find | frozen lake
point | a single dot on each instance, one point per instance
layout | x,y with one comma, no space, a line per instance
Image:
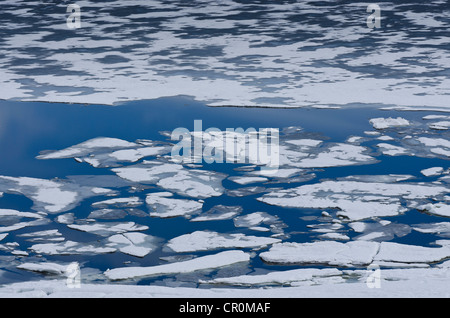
96,185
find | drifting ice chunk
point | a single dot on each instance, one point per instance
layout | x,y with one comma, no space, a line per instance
71,247
119,202
383,123
356,200
248,180
174,177
43,236
88,147
441,228
278,278
431,172
132,243
161,205
46,268
440,209
49,195
108,228
200,263
207,240
219,212
354,253
391,150
403,253
440,125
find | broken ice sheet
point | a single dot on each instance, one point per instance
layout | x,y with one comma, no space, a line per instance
246,191
87,147
438,228
134,243
355,200
353,253
48,268
108,228
161,204
71,247
209,240
384,123
193,183
51,196
118,202
255,219
208,262
439,209
286,278
391,150
405,253
219,212
247,180
379,231
107,152
11,220
43,236
433,171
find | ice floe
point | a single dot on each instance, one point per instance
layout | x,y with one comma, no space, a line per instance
353,253
107,152
248,180
209,240
44,267
161,204
355,200
52,196
219,212
200,263
404,253
119,202
134,243
71,247
440,209
310,276
43,236
193,183
384,123
439,228
108,228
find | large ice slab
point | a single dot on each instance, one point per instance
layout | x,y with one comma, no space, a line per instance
309,276
355,200
383,123
134,243
161,204
209,240
52,196
108,228
405,253
200,263
353,253
108,152
71,247
87,147
193,183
